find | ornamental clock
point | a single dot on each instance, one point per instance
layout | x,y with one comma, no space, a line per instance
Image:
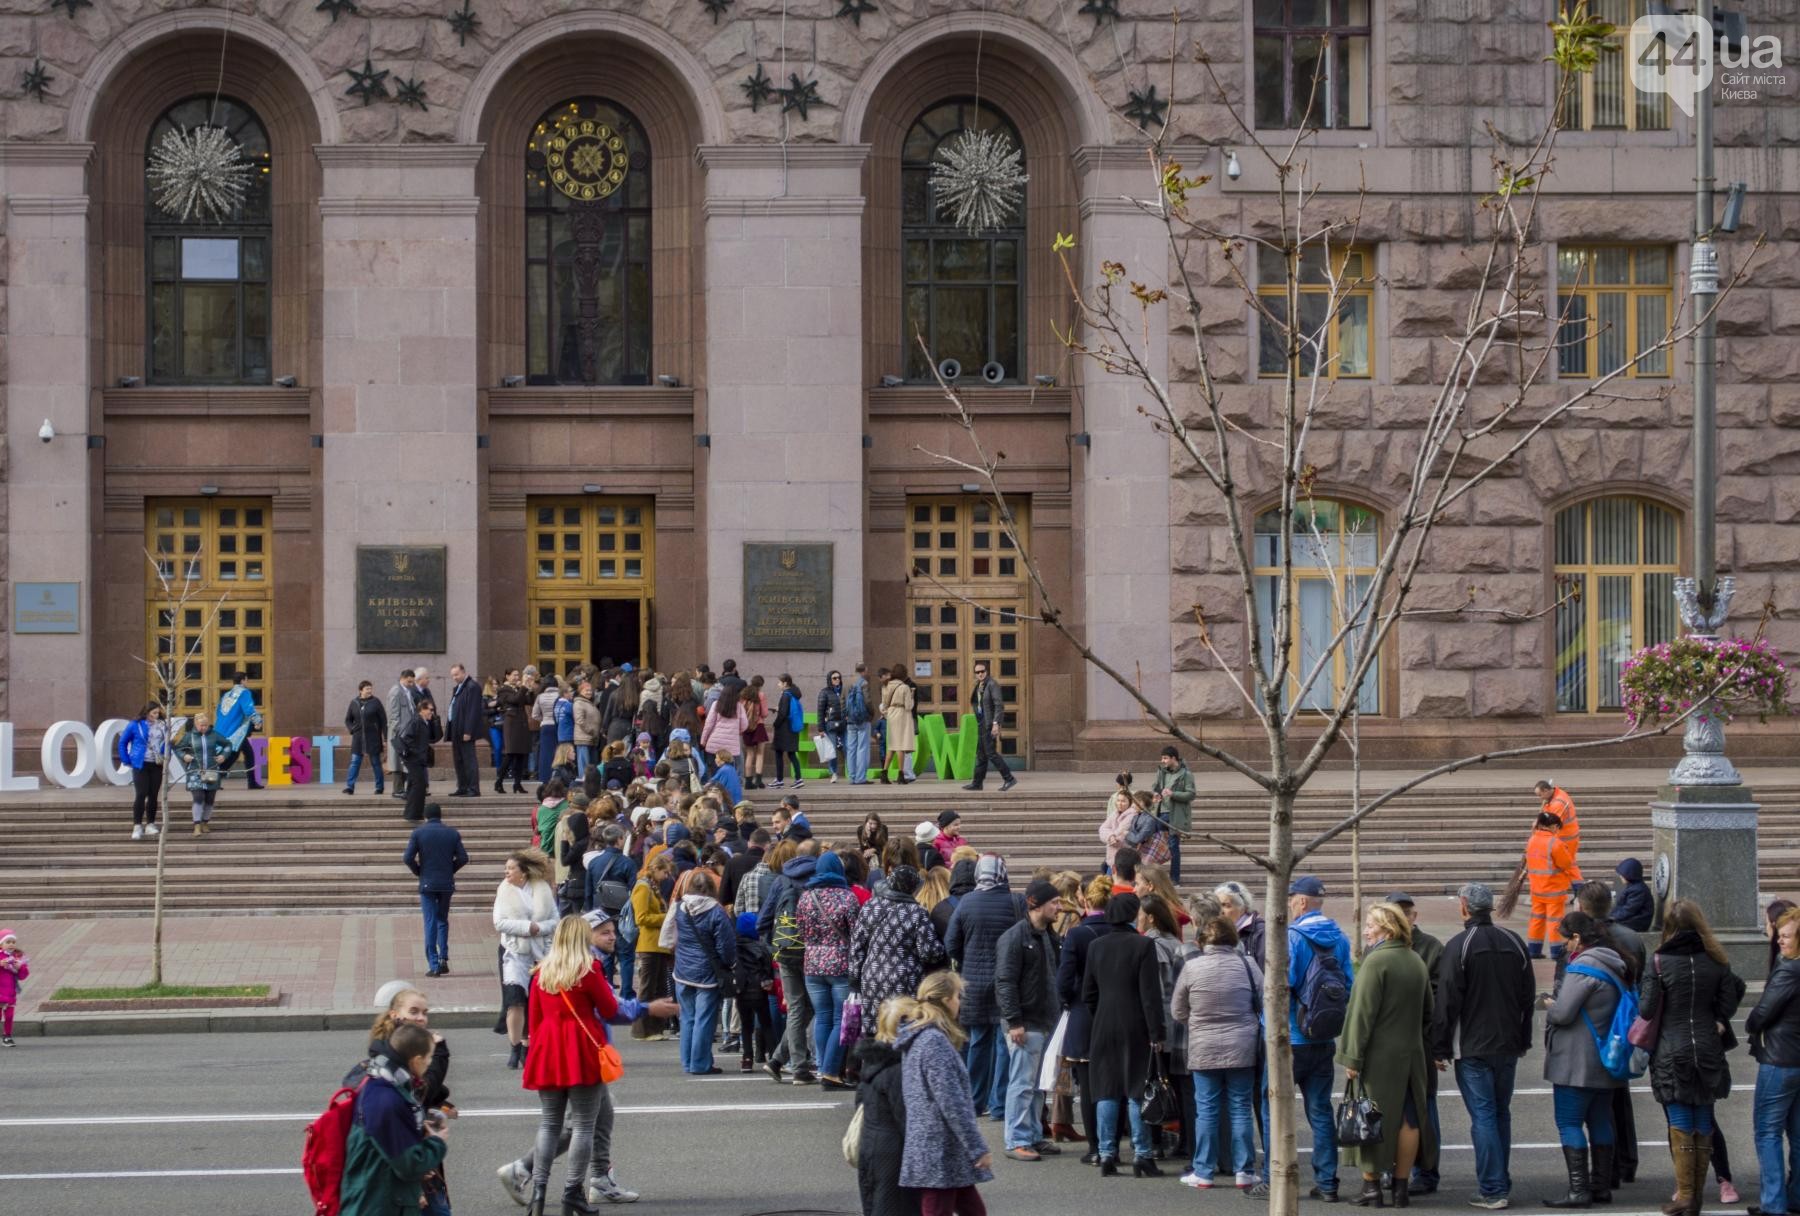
586,159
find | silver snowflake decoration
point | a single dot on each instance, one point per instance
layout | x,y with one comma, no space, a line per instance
199,173
980,178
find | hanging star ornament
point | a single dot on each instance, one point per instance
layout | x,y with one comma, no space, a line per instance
37,80
800,95
199,173
758,88
716,8
72,5
980,177
463,23
367,84
410,92
1145,108
1100,10
854,9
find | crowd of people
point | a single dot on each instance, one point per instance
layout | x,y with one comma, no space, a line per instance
1088,1010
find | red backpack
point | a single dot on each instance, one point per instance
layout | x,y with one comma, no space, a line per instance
327,1142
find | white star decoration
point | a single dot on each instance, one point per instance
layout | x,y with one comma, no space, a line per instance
201,172
979,176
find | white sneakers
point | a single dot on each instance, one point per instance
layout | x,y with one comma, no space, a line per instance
137,831
1196,1181
1244,1180
516,1182
607,1187
150,829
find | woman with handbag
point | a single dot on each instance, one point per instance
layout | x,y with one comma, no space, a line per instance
1218,1003
524,916
826,917
831,720
705,958
1148,833
1123,997
568,1061
1156,921
1691,982
790,726
1592,987
1382,1048
1071,980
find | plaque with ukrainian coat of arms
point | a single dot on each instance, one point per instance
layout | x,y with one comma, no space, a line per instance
400,599
787,596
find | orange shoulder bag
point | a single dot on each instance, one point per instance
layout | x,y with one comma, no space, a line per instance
612,1065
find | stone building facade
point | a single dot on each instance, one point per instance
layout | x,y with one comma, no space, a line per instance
400,349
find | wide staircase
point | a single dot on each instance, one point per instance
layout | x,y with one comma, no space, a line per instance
274,851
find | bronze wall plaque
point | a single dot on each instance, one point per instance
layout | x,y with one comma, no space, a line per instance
400,599
787,597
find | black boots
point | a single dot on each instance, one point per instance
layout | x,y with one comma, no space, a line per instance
575,1201
1109,1167
1371,1195
1600,1173
1145,1167
1580,1193
538,1198
1402,1192
517,1059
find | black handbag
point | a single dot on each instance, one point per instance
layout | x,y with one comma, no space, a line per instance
1156,1098
1358,1118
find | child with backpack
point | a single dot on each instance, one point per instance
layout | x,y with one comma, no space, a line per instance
755,981
393,1141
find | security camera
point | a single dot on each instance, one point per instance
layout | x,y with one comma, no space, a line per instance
46,432
1233,170
286,381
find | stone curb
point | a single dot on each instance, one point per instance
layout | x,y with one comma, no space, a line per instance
231,1021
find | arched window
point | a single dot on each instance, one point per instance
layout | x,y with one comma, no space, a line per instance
1335,552
587,246
1615,575
209,279
963,292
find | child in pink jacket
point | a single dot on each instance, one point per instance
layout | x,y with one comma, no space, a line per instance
14,967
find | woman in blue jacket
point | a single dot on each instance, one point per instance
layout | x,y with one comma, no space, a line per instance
144,748
705,954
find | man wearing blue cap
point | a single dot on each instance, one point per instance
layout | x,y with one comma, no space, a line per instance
1319,978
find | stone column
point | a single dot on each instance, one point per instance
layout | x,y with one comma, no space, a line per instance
1122,476
784,400
400,426
49,493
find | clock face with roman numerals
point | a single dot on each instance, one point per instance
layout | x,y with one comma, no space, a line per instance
586,159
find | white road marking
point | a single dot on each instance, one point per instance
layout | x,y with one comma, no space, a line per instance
97,1174
716,1108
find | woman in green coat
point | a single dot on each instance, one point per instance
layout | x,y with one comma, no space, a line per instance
1383,1047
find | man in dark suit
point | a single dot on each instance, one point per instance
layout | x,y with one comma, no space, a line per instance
414,744
464,726
435,853
990,716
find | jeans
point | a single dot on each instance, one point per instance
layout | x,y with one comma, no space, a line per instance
146,786
437,1204
1234,1086
1696,1120
356,761
1313,1073
857,742
1024,1100
795,1036
579,1103
1777,1113
584,758
827,994
546,751
1107,1110
1575,1106
1487,1088
699,1017
987,753
1174,858
436,907
984,1056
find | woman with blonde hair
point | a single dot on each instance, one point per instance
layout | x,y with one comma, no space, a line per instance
1381,1049
524,916
568,995
1154,880
944,1156
934,888
1068,886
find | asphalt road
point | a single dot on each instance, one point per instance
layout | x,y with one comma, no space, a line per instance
177,1125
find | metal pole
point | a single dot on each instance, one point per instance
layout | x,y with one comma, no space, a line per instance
1703,285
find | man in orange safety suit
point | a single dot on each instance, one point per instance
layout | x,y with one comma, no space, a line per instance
1550,864
1558,803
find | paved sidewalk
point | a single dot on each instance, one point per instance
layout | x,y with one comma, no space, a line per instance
319,963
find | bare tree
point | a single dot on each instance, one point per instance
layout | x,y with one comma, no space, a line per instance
170,669
1508,338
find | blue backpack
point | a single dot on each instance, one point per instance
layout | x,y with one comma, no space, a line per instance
796,715
1323,996
1618,1056
856,704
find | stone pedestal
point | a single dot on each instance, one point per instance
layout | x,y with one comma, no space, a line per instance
1705,842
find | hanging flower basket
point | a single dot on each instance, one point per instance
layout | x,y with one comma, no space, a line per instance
1740,675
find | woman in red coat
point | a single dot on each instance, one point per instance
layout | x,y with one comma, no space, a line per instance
570,998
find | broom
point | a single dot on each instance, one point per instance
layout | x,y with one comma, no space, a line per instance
1509,898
